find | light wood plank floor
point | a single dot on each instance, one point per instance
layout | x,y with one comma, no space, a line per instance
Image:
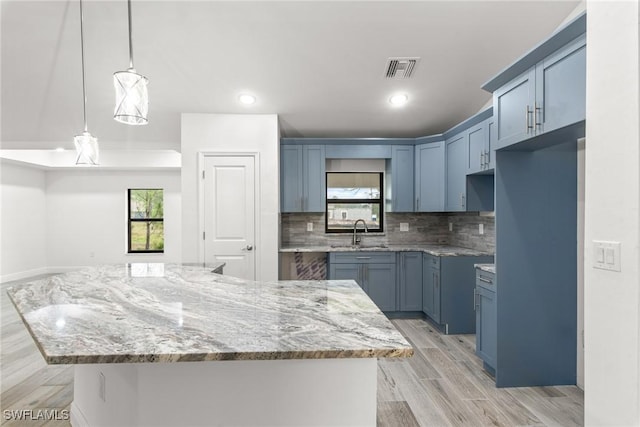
443,384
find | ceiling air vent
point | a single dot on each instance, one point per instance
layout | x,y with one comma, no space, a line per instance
401,68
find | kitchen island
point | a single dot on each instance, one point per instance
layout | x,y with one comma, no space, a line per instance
254,353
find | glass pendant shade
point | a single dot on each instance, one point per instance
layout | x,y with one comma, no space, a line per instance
132,97
86,149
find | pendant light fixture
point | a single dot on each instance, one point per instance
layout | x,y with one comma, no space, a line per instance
86,144
132,98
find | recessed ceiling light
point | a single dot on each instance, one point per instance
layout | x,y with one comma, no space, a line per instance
247,99
59,149
399,100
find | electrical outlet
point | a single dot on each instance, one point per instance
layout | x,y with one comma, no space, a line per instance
481,228
404,226
102,391
309,226
450,226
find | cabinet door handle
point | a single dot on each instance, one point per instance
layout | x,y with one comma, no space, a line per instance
487,160
482,160
363,257
418,203
485,280
462,200
537,114
528,112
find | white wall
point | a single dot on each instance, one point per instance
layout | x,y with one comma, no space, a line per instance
612,212
86,222
580,260
22,221
233,133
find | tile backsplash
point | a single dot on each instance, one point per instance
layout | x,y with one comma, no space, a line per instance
425,228
466,233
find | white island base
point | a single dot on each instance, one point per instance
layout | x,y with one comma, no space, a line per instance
299,392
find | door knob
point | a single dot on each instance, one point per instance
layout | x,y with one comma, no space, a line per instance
249,248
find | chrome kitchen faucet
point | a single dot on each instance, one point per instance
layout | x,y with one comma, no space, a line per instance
356,238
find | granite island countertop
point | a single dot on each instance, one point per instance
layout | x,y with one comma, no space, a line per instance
437,250
489,268
113,314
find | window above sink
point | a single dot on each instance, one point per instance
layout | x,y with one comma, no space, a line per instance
352,196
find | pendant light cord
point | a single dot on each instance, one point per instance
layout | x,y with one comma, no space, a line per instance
130,38
84,89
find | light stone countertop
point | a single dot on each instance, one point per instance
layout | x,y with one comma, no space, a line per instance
174,313
489,268
437,250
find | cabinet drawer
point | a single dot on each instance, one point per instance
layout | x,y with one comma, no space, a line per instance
485,279
362,257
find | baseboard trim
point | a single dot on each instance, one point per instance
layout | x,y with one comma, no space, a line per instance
36,272
23,274
54,270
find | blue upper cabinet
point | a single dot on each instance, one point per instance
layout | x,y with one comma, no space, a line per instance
429,177
291,178
476,148
456,172
402,178
358,151
544,91
481,147
513,106
302,178
561,88
314,186
490,155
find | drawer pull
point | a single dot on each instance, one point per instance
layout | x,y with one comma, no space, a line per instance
482,279
363,257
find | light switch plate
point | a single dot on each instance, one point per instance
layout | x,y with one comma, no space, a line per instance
309,226
404,226
481,228
606,255
450,226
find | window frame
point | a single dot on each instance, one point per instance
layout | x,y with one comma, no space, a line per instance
379,201
132,220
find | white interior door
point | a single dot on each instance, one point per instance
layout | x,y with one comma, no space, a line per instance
229,213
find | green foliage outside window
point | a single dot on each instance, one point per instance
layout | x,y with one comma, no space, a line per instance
146,220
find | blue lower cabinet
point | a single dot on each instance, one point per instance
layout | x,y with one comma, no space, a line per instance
431,294
449,289
410,281
486,319
346,272
380,280
375,272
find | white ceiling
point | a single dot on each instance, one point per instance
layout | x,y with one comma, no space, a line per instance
318,65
